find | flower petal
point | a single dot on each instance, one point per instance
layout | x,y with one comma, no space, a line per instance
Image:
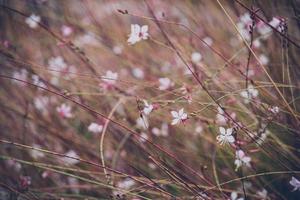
174,114
230,139
222,130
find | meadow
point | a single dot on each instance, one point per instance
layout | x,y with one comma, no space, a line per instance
149,99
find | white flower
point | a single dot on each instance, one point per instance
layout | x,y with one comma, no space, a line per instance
295,183
249,94
241,159
165,83
118,49
12,164
126,184
57,64
87,39
225,136
243,31
274,109
246,19
164,131
66,30
64,110
196,57
41,102
33,21
36,81
138,33
234,196
73,181
69,72
208,41
263,59
263,29
110,77
36,154
138,73
179,116
95,128
275,22
256,43
151,165
70,161
262,137
251,73
198,129
22,75
142,122
263,194
148,108
144,137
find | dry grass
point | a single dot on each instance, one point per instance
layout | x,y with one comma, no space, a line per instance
127,160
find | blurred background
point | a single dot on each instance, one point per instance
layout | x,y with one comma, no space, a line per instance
92,94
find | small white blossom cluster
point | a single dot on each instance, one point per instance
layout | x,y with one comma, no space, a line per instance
23,75
57,64
109,80
263,29
59,67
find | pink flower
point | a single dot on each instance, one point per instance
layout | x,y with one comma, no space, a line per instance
66,30
64,111
241,159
